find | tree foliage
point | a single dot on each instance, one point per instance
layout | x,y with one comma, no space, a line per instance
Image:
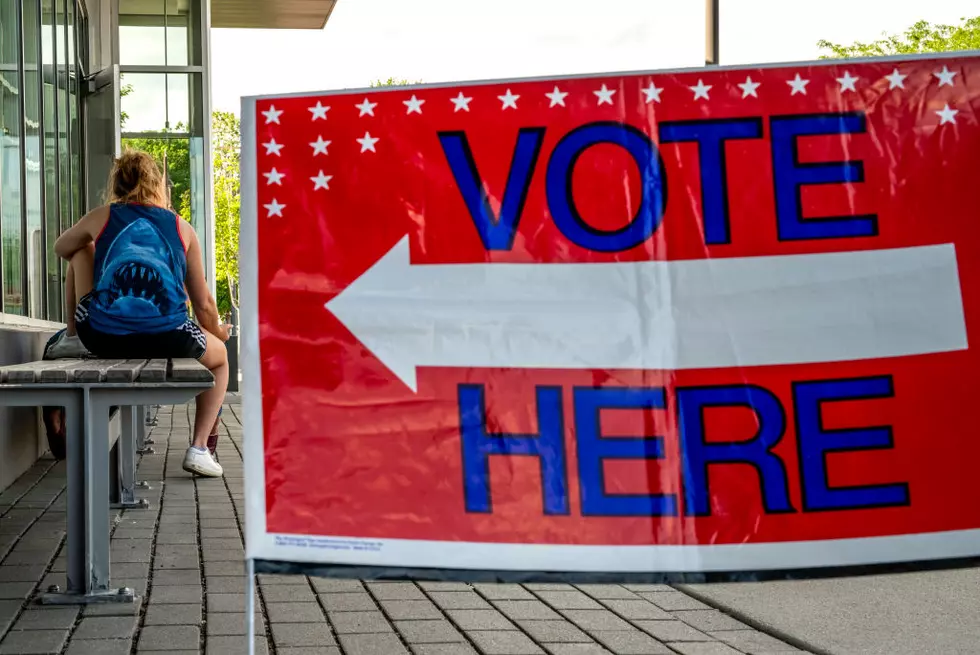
226,153
394,81
921,37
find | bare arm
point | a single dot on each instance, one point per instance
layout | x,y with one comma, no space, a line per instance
82,233
205,308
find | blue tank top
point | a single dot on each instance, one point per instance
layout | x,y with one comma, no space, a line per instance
140,267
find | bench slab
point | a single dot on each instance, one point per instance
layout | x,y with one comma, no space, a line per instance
94,371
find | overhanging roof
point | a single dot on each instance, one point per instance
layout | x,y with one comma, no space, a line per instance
271,14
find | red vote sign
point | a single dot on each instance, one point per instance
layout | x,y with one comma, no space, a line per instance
706,320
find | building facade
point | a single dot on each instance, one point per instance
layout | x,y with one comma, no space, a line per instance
79,81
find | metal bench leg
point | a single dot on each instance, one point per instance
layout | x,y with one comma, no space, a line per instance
87,422
127,462
143,420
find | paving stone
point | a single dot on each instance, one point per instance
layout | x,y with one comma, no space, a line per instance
649,587
639,610
576,649
709,620
674,600
16,590
115,609
225,584
459,600
47,618
504,642
504,592
303,634
549,586
138,570
428,632
177,538
21,573
27,557
554,631
308,612
303,650
175,614
171,637
282,593
99,647
374,644
480,620
234,545
31,642
670,631
442,649
123,533
344,601
224,533
177,578
445,586
224,568
704,648
526,609
223,555
161,563
359,622
408,610
235,645
753,641
395,591
105,627
170,595
227,603
631,642
222,625
593,621
570,600
608,592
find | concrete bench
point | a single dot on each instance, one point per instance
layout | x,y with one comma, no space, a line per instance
87,389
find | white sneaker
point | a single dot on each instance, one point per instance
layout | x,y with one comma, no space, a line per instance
66,347
201,463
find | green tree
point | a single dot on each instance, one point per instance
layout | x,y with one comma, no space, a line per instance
226,149
393,81
921,37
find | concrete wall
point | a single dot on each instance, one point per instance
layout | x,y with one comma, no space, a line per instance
22,438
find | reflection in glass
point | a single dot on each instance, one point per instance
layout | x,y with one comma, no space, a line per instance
155,102
32,160
154,32
50,128
11,276
64,151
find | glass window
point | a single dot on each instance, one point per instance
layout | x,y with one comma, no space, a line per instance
155,33
64,111
33,158
52,218
155,102
11,126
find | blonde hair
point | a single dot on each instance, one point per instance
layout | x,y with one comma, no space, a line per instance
136,177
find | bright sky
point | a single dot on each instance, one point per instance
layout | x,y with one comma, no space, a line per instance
445,40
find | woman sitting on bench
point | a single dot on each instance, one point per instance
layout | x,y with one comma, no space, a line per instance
133,265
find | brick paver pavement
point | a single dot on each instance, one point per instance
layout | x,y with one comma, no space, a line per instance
184,557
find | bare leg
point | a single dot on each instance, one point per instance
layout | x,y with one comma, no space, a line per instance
78,282
209,402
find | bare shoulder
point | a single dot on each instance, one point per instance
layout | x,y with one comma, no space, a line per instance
187,233
94,221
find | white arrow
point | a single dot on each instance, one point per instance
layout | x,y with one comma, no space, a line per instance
670,315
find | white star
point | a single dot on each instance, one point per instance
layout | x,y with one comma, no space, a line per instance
274,208
273,148
700,90
319,146
847,82
896,80
321,181
272,115
274,177
947,115
945,76
605,95
366,107
798,84
367,143
652,93
749,88
462,102
557,97
509,100
414,105
319,111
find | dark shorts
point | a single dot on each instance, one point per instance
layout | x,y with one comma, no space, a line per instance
186,341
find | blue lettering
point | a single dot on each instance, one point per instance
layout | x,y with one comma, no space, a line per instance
479,444
790,175
497,233
815,443
698,453
711,136
652,203
593,448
